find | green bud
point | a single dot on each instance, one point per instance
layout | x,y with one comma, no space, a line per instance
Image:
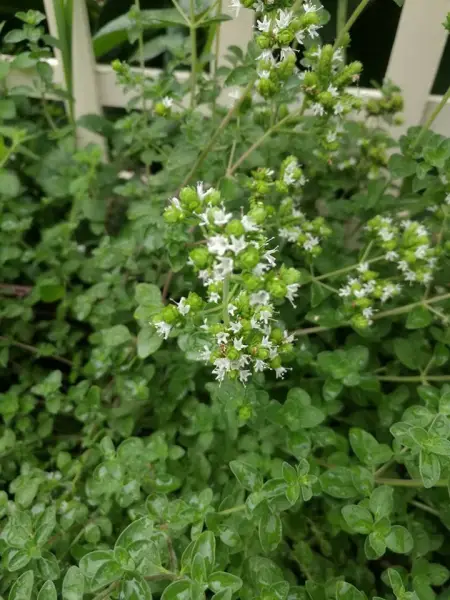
264,41
235,227
189,198
173,215
251,282
169,314
446,23
277,288
285,36
262,353
359,322
275,363
290,275
233,354
258,213
200,257
194,301
249,258
276,335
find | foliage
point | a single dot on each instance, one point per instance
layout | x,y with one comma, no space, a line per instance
224,350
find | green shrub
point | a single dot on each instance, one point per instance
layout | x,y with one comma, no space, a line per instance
224,350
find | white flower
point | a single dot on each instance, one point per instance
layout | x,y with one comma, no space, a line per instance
261,297
236,5
300,37
369,287
222,268
403,265
163,329
318,109
368,313
243,360
239,344
244,375
333,90
264,24
310,242
406,223
231,309
266,343
237,244
260,365
218,244
248,224
221,217
176,203
235,326
267,56
447,199
345,291
290,235
427,277
421,251
222,338
390,290
222,365
391,255
309,7
264,316
433,208
183,308
286,52
361,293
312,30
280,372
363,267
386,235
258,6
331,137
339,108
284,19
205,354
270,259
422,230
264,74
213,297
410,276
291,293
167,102
287,338
202,194
260,269
432,261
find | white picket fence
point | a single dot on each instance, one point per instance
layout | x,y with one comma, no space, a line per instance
413,64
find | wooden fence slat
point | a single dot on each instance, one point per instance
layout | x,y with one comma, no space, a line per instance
416,54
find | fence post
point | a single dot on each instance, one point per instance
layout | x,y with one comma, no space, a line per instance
237,32
84,77
416,55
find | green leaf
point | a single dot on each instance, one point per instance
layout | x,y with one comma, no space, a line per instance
248,476
108,572
367,448
178,590
381,501
438,445
338,482
429,468
148,294
270,532
47,591
444,404
23,587
205,545
148,342
10,186
134,587
418,318
73,584
358,518
299,413
399,540
50,290
140,530
219,581
45,525
116,336
401,166
16,559
406,353
347,591
90,563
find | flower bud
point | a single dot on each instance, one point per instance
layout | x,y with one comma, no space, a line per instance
169,314
264,41
235,228
290,275
277,288
200,257
194,301
173,215
258,213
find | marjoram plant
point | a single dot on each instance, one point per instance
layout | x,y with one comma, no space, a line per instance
224,350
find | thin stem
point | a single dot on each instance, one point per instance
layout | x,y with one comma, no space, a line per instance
193,36
35,350
388,464
225,293
429,122
343,32
216,55
415,483
347,269
413,378
230,114
341,17
142,66
182,13
105,593
166,287
262,139
425,507
229,511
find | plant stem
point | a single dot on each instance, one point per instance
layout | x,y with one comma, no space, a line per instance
35,350
414,378
229,511
429,122
425,507
386,313
225,293
193,36
142,66
105,593
342,33
182,13
388,464
267,134
341,17
346,269
415,483
227,118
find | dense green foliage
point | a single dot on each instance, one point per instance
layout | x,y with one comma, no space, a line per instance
289,439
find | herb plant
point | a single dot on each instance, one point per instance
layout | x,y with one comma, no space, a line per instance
224,350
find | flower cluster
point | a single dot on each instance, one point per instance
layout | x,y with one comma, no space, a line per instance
277,28
297,229
238,269
361,293
407,245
